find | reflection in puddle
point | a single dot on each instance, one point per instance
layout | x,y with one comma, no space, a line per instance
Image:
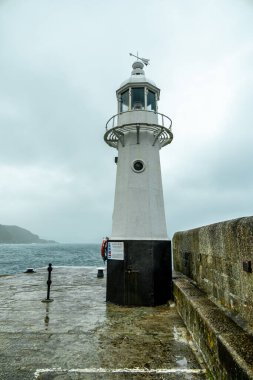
182,362
180,334
46,319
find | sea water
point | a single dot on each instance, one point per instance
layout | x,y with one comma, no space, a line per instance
16,258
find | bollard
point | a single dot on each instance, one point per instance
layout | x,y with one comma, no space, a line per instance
100,273
49,282
30,270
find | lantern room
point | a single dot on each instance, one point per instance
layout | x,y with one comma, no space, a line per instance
138,92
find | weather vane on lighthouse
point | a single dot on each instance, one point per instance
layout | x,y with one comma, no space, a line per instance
144,60
139,252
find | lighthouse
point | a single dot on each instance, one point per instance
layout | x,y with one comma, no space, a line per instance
139,251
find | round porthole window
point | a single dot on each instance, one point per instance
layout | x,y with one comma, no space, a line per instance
138,166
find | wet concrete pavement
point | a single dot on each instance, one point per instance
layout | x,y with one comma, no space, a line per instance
78,336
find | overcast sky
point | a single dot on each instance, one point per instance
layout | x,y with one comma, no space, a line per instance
61,62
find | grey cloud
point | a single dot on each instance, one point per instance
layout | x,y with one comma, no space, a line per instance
60,64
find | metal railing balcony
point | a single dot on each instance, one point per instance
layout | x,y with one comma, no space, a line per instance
157,123
163,120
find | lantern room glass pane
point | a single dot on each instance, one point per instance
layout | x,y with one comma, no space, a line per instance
138,98
124,106
151,102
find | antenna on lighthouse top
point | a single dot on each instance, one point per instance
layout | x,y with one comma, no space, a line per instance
144,60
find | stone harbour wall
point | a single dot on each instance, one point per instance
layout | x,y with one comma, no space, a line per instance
226,348
219,258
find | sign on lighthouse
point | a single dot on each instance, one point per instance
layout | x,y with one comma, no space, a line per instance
139,252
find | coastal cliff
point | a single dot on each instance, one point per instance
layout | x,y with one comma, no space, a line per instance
18,235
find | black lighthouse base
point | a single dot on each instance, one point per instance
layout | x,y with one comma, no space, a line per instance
143,274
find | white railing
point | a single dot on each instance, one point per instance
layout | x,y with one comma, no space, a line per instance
163,120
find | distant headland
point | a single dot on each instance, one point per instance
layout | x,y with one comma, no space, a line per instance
18,235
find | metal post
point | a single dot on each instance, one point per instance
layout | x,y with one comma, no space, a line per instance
49,282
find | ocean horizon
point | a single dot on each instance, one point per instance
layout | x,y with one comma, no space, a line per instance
16,258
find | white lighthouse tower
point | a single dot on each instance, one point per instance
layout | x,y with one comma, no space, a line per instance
139,254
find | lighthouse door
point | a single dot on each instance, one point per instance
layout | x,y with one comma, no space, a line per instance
139,283
132,287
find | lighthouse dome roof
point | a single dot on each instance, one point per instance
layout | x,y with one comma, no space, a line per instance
137,76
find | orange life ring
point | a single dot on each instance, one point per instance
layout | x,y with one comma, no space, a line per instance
104,249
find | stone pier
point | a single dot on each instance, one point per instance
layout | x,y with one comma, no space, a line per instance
79,336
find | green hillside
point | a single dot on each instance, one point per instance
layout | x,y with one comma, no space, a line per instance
18,235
